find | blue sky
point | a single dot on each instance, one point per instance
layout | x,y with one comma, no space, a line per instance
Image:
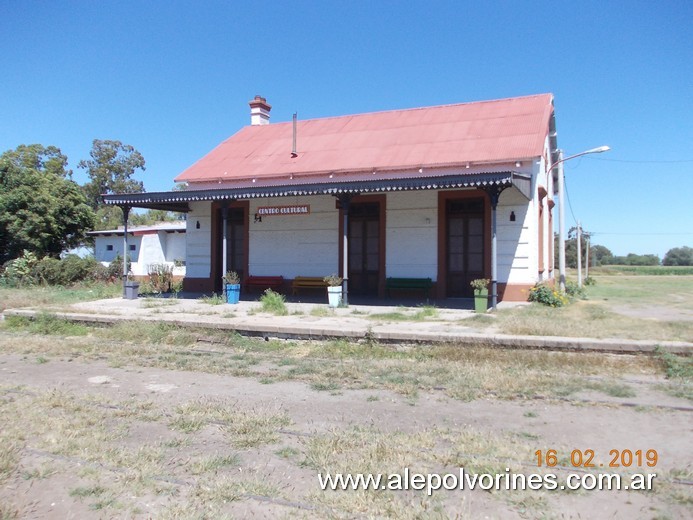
173,79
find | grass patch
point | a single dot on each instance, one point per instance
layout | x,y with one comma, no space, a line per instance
423,313
151,302
227,489
679,372
324,386
244,428
621,305
321,312
46,324
274,303
88,491
213,463
9,457
214,299
371,450
675,367
390,316
642,270
39,473
32,296
426,312
187,424
8,512
157,333
459,372
682,390
287,452
578,320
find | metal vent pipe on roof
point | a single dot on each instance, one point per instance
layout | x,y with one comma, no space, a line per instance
293,149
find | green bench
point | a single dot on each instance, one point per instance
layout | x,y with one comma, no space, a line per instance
408,284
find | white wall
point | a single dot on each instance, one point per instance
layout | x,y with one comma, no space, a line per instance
174,249
308,245
296,245
156,248
198,241
516,261
151,252
412,234
101,252
174,246
103,255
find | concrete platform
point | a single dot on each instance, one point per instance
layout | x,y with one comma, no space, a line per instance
317,321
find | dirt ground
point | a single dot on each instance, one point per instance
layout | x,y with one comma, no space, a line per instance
100,441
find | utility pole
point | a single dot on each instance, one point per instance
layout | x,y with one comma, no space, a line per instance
587,256
579,255
561,200
561,221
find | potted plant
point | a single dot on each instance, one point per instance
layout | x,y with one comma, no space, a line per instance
232,286
480,286
334,290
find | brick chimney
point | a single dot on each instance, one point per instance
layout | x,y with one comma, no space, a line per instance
259,111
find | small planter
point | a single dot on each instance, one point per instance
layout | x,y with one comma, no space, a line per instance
334,296
480,300
131,290
233,293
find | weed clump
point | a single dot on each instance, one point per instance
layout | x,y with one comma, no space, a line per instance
214,299
274,303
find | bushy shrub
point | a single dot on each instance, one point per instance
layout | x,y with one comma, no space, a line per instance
160,277
28,269
177,286
18,271
573,290
78,269
547,295
68,271
48,271
115,268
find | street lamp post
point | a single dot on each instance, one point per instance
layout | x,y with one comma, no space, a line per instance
561,208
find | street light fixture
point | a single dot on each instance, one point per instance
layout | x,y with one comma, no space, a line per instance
561,208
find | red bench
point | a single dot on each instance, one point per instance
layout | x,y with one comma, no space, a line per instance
275,283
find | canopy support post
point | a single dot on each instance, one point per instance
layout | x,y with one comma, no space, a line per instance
126,214
344,204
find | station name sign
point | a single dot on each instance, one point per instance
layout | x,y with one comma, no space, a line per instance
303,209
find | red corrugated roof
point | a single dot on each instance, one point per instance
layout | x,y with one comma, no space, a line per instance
482,132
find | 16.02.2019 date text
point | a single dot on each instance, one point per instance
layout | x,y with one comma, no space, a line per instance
585,459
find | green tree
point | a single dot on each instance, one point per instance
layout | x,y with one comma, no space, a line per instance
633,259
601,255
41,209
110,170
108,217
679,256
154,216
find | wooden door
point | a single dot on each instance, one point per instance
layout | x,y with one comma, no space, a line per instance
464,245
236,235
364,248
